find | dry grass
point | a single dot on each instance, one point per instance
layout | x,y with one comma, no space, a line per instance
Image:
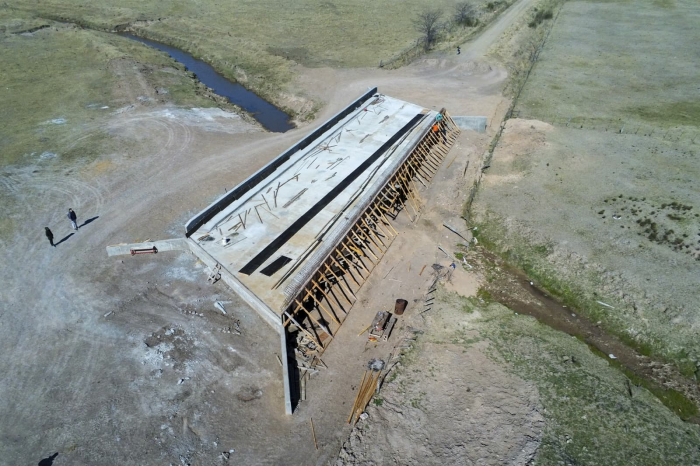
258,43
56,83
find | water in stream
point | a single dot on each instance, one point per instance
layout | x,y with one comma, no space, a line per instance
271,117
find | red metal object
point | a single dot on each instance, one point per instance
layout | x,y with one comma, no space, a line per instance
152,250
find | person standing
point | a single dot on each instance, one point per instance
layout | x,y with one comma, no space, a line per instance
49,235
459,50
73,219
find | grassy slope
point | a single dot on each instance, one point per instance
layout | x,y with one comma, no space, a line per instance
601,68
591,418
56,81
620,64
259,42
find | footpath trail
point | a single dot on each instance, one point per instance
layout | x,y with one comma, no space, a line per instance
478,47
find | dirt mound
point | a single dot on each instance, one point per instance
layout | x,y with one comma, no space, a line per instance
434,414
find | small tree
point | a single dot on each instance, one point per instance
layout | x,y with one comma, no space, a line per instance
464,14
428,24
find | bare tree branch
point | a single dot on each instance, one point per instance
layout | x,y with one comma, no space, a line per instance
428,24
465,14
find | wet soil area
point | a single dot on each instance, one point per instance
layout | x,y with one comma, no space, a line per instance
515,290
271,117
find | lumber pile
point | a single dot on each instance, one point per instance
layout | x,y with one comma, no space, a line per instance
368,386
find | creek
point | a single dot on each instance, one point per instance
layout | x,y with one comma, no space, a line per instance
271,117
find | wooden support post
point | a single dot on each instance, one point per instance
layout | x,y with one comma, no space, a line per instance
352,249
406,178
370,236
407,194
438,147
415,187
373,219
346,270
321,306
324,293
357,397
430,163
358,231
337,279
391,186
321,326
387,198
313,432
377,220
388,222
376,237
421,176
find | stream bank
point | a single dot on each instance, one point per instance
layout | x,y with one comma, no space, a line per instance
271,117
514,289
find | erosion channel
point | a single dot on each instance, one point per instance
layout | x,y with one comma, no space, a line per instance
514,289
271,117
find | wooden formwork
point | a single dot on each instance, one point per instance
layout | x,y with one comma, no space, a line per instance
321,306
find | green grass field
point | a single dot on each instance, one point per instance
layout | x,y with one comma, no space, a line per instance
259,43
611,185
59,80
594,414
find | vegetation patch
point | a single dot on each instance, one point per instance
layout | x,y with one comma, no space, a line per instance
39,124
685,113
595,414
578,296
540,16
673,224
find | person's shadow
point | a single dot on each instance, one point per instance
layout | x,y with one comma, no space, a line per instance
90,220
64,239
48,461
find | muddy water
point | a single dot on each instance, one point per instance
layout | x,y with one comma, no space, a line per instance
516,292
271,117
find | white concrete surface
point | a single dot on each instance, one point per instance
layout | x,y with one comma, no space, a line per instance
300,183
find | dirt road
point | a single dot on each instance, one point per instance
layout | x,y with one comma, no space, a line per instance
478,47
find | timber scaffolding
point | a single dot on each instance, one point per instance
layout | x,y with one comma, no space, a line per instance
299,238
340,273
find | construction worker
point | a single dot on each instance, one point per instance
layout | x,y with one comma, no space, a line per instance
49,235
73,219
435,129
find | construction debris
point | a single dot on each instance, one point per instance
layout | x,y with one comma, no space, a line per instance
313,432
215,274
381,326
453,230
367,388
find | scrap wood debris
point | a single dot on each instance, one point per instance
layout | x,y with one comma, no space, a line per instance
440,273
215,274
